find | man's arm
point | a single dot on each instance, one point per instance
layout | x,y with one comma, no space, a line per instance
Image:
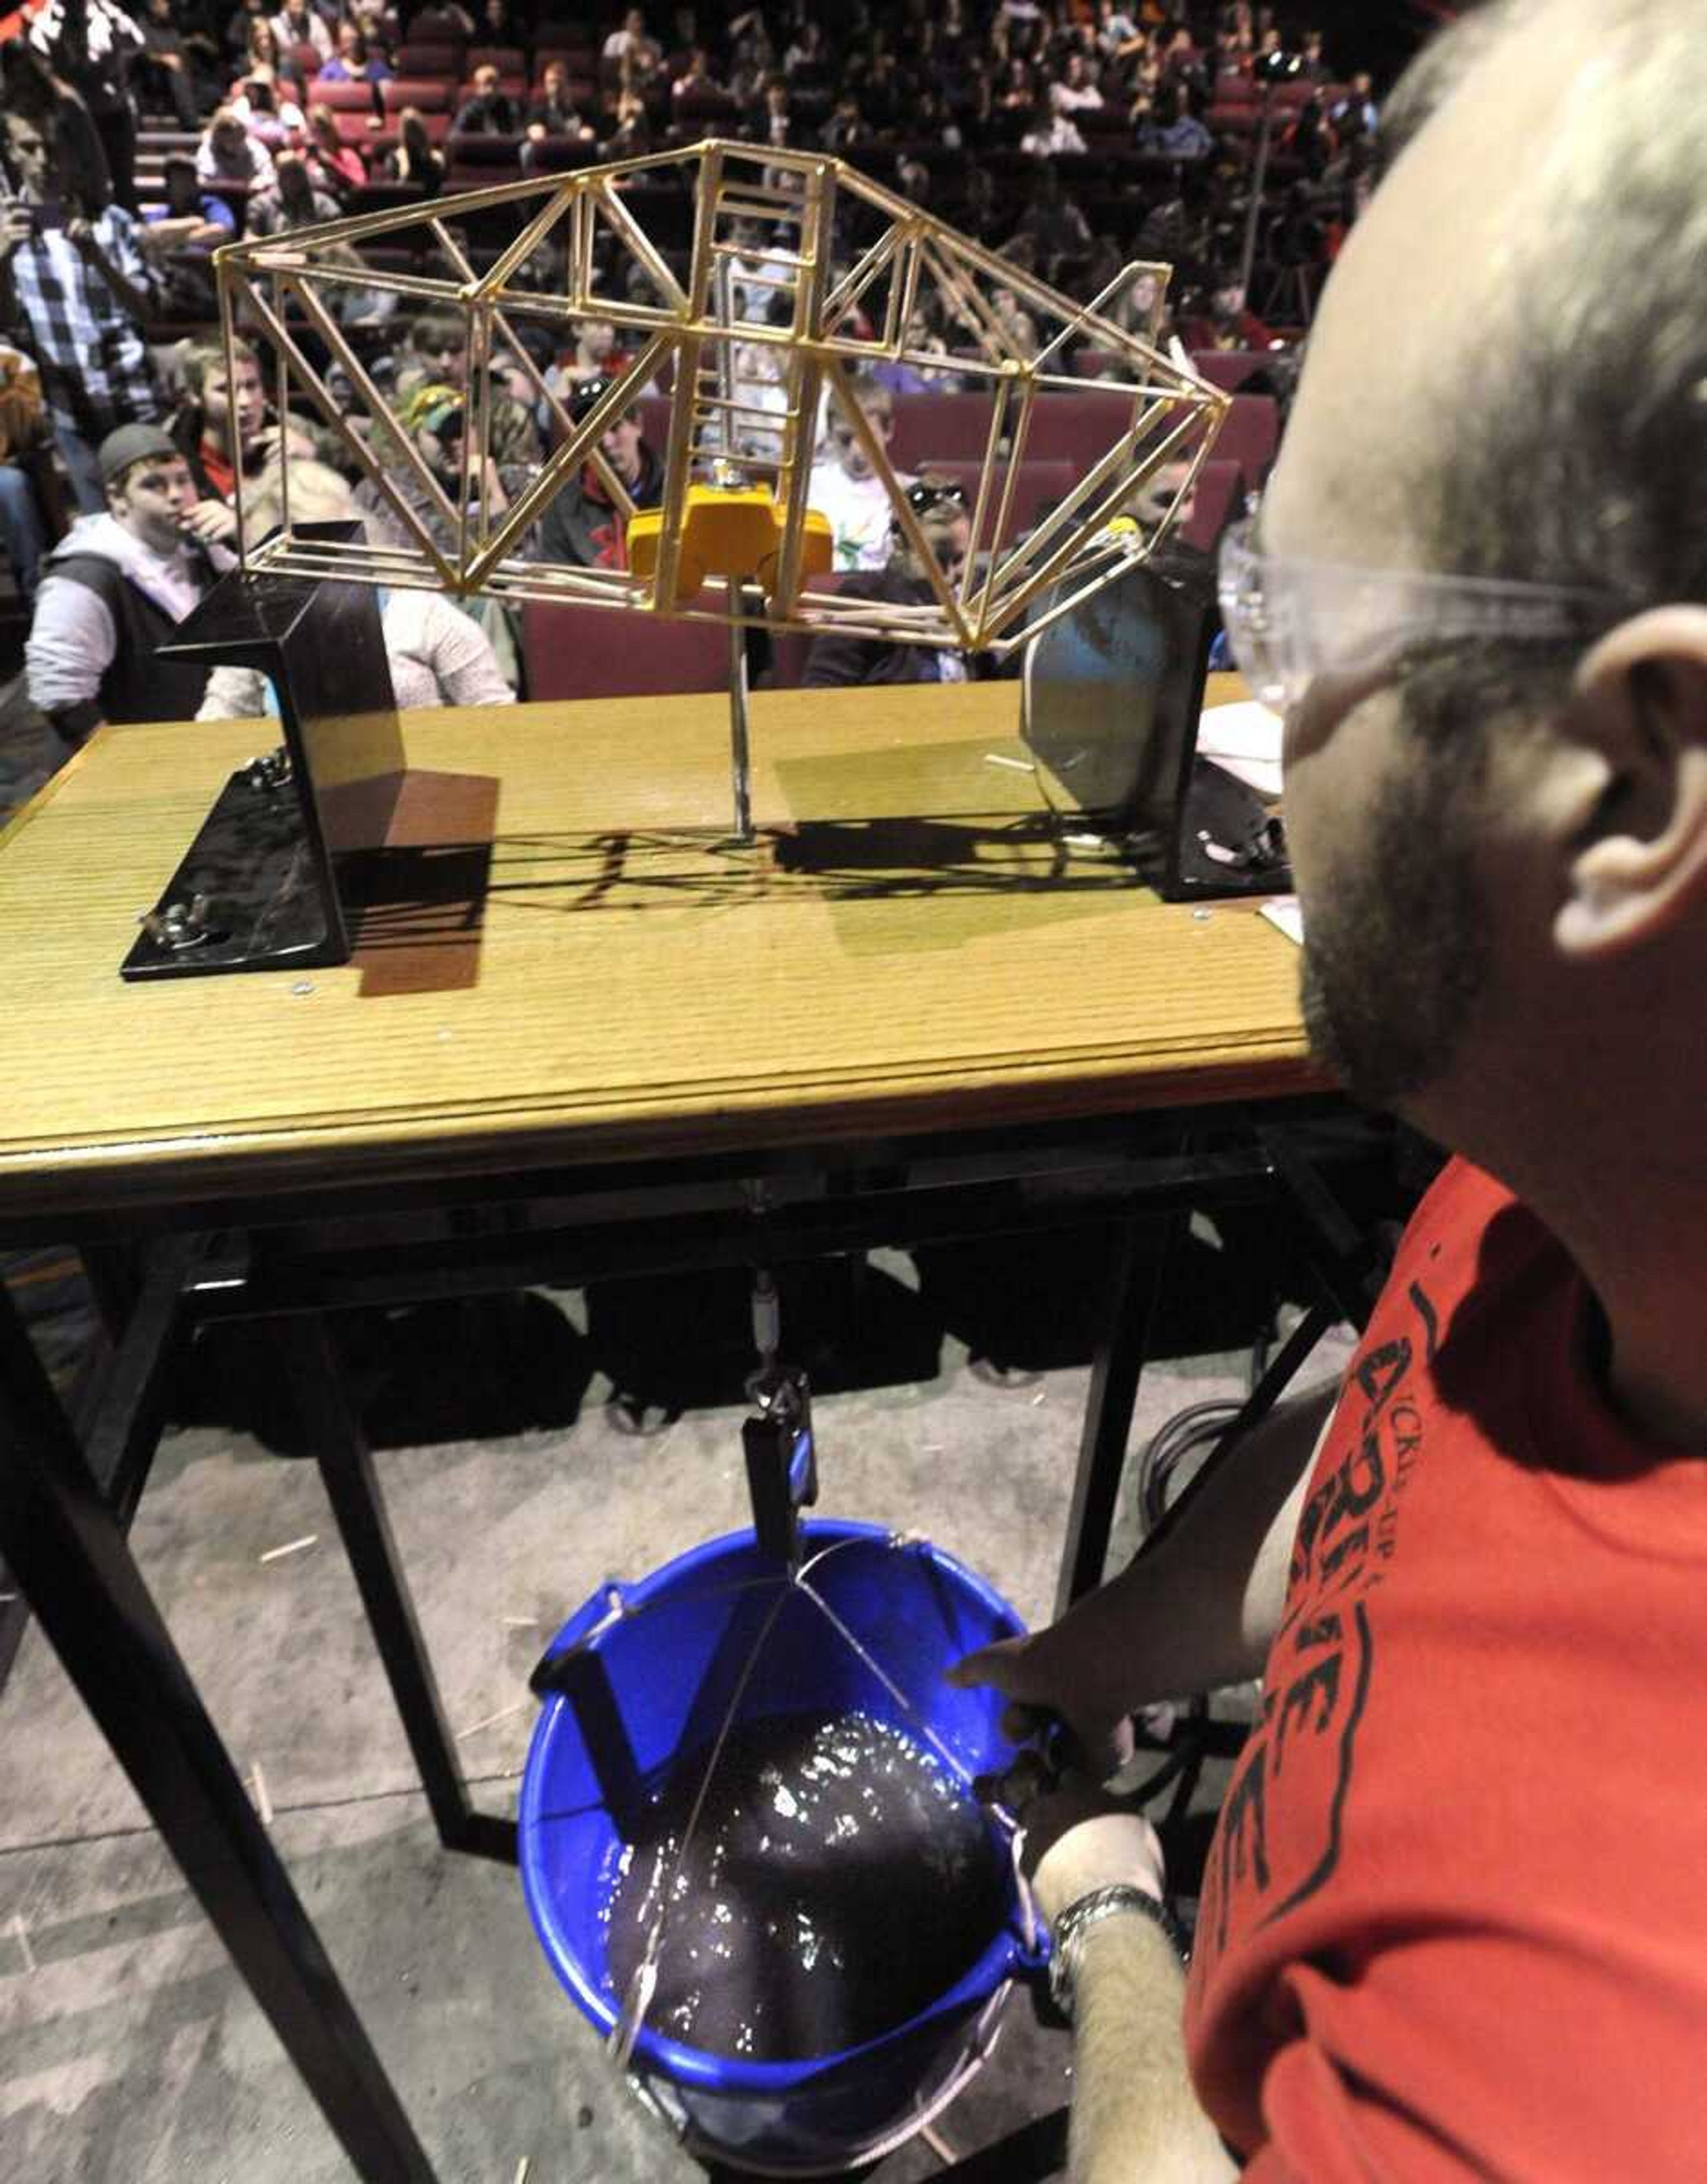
1196,1611
70,646
1136,2119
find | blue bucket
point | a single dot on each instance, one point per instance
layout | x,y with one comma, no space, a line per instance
653,1671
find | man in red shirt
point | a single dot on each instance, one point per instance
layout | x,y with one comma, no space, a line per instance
1454,1919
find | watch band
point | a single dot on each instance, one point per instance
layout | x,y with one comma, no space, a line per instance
1090,1910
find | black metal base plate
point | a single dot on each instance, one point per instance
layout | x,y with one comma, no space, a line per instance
266,908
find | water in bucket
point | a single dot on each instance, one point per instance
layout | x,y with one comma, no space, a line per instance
825,1882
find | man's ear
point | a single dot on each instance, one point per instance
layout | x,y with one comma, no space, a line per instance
1637,864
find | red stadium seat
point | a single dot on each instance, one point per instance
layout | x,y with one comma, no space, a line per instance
571,651
557,155
442,63
307,58
929,427
1251,437
440,27
342,98
512,86
1219,499
1229,368
427,97
507,60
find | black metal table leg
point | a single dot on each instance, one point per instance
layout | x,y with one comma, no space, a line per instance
69,1557
346,1464
1123,1341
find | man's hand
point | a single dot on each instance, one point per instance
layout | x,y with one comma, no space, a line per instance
1045,1677
1077,1839
16,222
211,521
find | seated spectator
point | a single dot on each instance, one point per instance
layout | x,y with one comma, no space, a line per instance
292,201
837,660
1172,131
595,356
1076,92
167,65
847,490
631,49
336,167
1017,91
298,24
81,288
191,218
436,654
414,159
1227,323
1357,111
246,12
266,61
697,78
352,61
912,376
488,110
118,584
847,128
553,113
269,114
228,154
499,25
584,524
770,125
435,354
1058,230
1018,326
222,425
631,137
807,61
1050,134
23,434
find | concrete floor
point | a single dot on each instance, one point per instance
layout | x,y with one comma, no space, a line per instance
130,2052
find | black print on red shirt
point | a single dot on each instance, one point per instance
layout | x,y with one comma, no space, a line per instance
1321,1666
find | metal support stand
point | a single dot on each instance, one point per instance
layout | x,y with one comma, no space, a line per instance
69,1554
1123,1343
781,1452
346,1464
740,759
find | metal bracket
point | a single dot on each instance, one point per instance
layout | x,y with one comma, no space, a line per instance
781,1452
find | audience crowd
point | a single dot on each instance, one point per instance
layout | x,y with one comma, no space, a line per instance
1069,136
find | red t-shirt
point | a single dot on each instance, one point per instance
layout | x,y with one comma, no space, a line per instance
1454,1919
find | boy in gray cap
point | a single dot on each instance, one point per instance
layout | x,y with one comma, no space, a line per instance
118,585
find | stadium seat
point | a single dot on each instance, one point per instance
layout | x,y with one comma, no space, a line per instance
571,651
1229,368
939,427
1251,436
1037,485
507,60
789,651
426,96
342,98
439,64
1220,501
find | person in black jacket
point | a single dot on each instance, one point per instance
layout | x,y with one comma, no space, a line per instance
584,524
835,659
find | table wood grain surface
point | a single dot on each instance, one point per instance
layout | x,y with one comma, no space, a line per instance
906,948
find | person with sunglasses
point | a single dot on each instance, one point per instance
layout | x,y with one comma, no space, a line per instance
836,658
1453,1924
584,524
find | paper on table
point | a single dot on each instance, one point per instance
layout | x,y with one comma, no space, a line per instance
1284,911
1245,740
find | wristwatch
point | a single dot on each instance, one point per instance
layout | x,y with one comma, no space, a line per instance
1088,1910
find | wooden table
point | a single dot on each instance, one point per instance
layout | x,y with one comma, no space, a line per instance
909,1010
909,952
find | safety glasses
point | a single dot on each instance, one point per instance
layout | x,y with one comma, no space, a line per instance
1289,621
